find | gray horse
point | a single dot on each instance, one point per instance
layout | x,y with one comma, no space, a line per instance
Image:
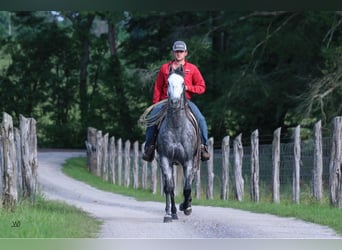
178,144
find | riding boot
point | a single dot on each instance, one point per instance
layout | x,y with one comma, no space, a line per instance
148,154
149,150
204,153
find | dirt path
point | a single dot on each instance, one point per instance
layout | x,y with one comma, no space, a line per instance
125,217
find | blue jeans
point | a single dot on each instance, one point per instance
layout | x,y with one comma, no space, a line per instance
152,130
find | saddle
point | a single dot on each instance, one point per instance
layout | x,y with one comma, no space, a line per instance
158,118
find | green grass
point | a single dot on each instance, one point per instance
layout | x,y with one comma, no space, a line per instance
76,168
46,219
308,209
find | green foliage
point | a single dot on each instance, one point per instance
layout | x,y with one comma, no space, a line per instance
263,69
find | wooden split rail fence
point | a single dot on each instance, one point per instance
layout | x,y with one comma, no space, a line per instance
18,160
114,162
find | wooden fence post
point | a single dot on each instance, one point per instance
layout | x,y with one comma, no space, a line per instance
225,168
20,168
161,183
127,162
154,181
335,165
112,157
29,158
143,169
136,165
99,152
296,166
119,161
10,191
105,157
2,167
254,189
197,178
317,185
177,177
238,179
276,165
91,150
210,170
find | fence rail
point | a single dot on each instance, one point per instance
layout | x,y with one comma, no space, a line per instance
298,164
18,160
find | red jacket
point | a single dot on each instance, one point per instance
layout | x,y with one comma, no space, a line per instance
192,78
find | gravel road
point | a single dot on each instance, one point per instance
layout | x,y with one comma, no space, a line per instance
124,217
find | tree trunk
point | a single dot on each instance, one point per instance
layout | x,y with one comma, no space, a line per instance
84,29
111,38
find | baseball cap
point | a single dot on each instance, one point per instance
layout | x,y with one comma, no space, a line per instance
179,45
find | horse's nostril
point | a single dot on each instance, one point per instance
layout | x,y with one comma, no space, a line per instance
174,101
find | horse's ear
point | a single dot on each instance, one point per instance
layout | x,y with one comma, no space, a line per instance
170,69
181,70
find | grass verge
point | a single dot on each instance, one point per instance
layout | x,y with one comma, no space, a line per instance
46,219
308,210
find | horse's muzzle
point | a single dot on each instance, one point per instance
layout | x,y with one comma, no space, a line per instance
175,103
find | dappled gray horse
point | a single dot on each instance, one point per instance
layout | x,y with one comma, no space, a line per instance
178,144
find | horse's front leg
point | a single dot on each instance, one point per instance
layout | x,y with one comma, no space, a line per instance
188,178
172,194
168,189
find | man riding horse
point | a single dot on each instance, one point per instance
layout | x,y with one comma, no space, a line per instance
194,84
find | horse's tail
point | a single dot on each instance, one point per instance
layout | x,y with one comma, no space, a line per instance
146,120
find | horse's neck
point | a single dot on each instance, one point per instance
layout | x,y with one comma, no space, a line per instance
176,118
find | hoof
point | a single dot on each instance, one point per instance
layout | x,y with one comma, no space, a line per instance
174,216
167,219
188,211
